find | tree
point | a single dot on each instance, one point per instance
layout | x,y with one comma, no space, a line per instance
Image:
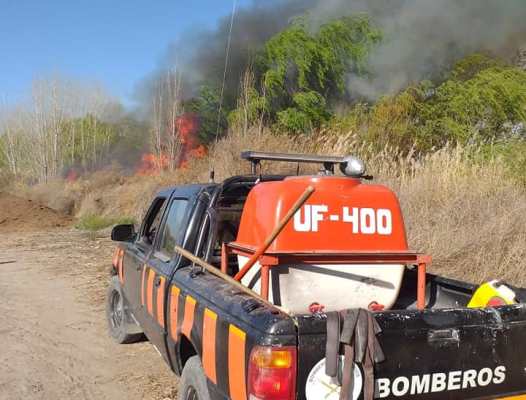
491,105
212,118
102,136
306,72
62,125
167,107
251,107
481,101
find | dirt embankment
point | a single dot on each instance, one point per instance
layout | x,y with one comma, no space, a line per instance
23,215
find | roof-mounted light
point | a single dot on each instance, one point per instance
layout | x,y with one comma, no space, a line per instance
352,167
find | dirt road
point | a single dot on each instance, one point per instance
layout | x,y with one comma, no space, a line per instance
53,340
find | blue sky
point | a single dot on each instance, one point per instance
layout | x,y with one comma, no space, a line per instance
114,42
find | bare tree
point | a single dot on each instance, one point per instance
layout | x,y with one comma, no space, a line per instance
59,126
247,84
167,108
61,121
175,109
250,104
157,123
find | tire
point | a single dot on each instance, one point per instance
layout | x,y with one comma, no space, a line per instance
193,384
118,316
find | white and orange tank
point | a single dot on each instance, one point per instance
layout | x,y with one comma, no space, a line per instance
343,216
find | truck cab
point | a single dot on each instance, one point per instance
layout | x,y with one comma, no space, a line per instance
270,341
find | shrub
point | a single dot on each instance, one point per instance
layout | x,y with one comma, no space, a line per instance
97,222
482,102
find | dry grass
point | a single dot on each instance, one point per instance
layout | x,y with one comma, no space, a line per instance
470,216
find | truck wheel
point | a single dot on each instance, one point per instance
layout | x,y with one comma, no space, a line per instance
193,381
118,316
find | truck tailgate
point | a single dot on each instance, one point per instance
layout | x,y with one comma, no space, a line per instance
436,354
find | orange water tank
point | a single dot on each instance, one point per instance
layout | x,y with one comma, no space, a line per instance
342,215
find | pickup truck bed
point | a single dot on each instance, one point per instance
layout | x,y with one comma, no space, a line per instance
438,353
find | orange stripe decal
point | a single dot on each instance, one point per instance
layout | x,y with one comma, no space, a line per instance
121,266
160,301
149,291
188,320
115,259
236,363
174,309
142,283
523,397
209,344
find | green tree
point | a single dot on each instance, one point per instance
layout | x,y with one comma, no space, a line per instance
212,116
3,158
309,111
86,141
489,106
481,101
306,72
470,66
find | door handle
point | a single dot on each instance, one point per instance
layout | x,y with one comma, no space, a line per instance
157,281
443,337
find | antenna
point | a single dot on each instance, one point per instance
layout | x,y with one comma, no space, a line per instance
227,57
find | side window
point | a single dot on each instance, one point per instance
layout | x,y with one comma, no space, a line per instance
173,228
153,219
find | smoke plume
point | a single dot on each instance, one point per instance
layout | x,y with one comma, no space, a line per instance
421,39
200,54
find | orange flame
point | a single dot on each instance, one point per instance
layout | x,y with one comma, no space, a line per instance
187,129
72,176
152,164
197,153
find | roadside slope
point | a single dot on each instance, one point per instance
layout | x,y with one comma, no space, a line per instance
53,329
21,215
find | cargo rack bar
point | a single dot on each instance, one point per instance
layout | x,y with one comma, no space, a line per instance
255,158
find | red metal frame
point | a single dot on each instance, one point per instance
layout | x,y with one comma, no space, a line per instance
270,259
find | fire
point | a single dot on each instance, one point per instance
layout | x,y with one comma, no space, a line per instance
187,130
152,164
199,152
72,176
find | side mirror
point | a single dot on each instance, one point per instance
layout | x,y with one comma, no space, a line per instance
123,233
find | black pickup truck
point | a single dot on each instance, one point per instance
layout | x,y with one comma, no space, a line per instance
229,344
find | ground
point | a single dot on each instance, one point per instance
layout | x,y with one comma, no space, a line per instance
53,336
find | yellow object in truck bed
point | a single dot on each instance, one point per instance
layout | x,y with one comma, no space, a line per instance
492,294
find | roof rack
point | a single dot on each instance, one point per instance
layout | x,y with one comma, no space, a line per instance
255,158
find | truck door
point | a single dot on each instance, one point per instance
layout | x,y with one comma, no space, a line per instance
137,254
159,269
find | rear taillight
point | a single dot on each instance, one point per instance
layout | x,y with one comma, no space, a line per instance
272,373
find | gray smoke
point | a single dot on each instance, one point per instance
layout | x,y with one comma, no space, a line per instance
200,54
422,38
